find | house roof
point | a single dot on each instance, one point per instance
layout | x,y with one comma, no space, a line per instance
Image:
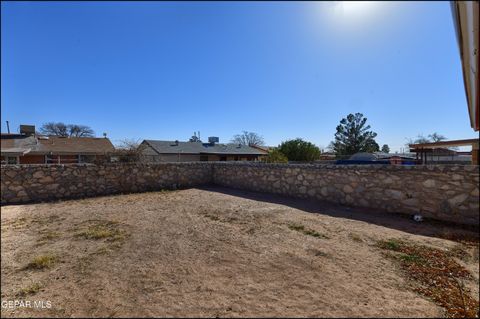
55,145
363,156
263,148
17,145
74,145
467,142
171,147
467,26
382,155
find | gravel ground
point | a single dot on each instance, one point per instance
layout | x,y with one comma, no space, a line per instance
209,252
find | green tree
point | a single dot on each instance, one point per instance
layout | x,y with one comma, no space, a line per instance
353,136
275,156
385,148
299,150
372,146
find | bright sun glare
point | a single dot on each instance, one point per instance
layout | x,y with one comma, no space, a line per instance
356,9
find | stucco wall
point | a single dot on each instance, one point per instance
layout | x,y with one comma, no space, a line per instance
449,193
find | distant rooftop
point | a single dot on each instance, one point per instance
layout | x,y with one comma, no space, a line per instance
17,144
175,147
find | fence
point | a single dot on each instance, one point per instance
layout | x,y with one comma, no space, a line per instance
442,192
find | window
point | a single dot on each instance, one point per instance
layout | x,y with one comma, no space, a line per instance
51,159
204,158
87,158
11,160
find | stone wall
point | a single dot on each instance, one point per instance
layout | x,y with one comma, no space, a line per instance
31,183
448,193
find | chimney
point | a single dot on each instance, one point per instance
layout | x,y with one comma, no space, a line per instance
27,129
212,140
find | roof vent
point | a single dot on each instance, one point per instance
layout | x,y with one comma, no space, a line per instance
213,139
27,129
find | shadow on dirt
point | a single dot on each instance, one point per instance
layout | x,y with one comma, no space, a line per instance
402,222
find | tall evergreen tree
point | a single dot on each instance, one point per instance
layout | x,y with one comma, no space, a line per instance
353,135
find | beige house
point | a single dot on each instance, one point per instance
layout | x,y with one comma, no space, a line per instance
175,151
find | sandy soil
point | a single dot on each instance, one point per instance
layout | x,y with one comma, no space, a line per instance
211,252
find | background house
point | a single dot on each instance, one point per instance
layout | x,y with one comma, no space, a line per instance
439,152
176,151
29,148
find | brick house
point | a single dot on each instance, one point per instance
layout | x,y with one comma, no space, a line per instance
34,149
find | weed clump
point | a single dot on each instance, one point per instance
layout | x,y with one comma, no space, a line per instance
305,231
31,290
103,230
41,262
436,275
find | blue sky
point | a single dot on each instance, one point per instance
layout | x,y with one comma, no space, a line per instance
161,70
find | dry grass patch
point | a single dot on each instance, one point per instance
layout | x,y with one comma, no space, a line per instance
355,237
101,229
30,290
436,275
48,235
318,253
223,218
212,217
18,223
41,262
47,220
305,231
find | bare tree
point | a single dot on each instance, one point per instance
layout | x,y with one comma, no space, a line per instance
128,150
61,129
248,138
421,139
52,128
128,144
435,137
331,147
80,131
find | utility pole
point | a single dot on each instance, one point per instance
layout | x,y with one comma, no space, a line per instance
8,128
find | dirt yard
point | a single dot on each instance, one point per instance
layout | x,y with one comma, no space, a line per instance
213,252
